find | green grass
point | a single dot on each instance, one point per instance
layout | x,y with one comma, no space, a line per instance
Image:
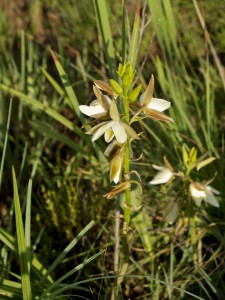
60,176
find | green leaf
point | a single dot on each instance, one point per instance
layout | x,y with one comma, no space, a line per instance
67,250
25,278
49,111
28,223
7,239
71,272
102,15
69,90
5,141
134,38
205,163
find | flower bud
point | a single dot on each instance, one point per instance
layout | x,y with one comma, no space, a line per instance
135,93
116,87
126,80
121,70
116,168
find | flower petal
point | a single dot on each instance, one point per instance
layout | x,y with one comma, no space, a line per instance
112,149
159,168
94,111
197,193
103,100
211,199
119,131
114,114
146,97
211,189
155,114
99,130
109,135
162,177
158,104
130,131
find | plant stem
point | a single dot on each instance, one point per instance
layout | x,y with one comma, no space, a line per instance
193,232
127,166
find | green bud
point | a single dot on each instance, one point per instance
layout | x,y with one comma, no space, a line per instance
185,156
130,71
121,70
126,80
193,155
116,87
135,93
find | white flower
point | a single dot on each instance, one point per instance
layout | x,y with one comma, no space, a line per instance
163,176
99,107
114,127
201,192
153,107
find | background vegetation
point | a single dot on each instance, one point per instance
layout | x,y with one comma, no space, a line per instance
40,136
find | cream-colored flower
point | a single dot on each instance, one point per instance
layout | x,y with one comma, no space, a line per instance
116,127
201,192
99,107
153,107
116,168
164,175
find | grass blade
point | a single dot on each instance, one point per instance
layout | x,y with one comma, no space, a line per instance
5,142
46,130
102,15
71,272
25,279
69,90
67,250
134,38
49,111
28,223
7,239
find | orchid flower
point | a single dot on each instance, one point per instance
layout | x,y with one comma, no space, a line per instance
116,168
114,127
99,107
201,192
164,175
153,107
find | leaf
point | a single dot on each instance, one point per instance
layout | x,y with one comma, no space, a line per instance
171,212
25,278
102,16
71,245
49,111
205,163
69,90
134,38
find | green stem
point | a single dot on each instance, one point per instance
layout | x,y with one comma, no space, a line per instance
193,232
127,166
